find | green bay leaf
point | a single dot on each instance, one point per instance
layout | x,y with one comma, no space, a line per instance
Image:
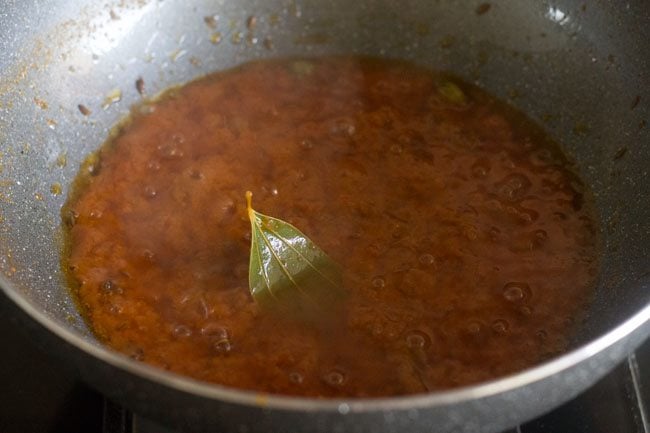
287,271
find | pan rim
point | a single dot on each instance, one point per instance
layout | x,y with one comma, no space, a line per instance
310,404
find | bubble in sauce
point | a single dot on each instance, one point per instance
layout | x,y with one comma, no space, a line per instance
334,378
196,174
378,282
116,307
137,354
182,331
343,127
427,259
148,255
540,236
418,340
495,234
474,327
500,326
514,187
516,291
214,330
296,377
171,149
525,310
110,286
396,149
222,346
219,337
480,169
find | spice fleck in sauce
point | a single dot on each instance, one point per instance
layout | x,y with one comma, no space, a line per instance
467,245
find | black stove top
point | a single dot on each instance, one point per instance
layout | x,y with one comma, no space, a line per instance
38,395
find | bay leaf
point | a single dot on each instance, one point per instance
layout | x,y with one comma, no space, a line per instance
287,271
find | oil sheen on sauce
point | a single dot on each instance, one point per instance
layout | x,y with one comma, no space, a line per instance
469,247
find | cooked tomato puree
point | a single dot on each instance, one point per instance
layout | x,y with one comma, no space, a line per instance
467,243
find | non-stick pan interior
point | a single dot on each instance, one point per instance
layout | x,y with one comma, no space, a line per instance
68,71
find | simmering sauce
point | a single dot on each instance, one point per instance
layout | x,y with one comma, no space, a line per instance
468,245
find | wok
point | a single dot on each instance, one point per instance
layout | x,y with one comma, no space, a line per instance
579,68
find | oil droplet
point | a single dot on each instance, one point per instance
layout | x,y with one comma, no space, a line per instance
378,282
216,37
177,54
211,21
56,188
500,326
452,93
251,39
236,37
251,22
302,67
516,291
334,378
41,103
418,340
112,97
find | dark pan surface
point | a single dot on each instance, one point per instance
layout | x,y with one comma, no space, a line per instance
578,68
